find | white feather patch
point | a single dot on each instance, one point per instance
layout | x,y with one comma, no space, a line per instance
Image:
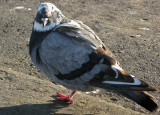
115,71
50,6
136,82
115,67
39,27
72,22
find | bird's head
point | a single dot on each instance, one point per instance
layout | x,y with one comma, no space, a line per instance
48,16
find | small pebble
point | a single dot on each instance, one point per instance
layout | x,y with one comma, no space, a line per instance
138,35
29,9
144,28
19,7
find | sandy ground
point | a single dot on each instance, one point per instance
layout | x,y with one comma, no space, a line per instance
130,28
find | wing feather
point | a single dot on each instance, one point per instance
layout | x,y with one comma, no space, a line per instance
68,47
115,77
81,32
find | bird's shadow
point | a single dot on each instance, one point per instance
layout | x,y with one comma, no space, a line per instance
49,108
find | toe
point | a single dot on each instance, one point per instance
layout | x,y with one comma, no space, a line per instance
61,98
61,95
70,100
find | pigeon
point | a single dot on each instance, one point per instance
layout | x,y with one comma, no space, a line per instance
72,55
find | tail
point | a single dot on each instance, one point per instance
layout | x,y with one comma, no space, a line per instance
132,88
113,77
142,98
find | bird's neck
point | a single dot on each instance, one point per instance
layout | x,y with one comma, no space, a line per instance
37,38
39,27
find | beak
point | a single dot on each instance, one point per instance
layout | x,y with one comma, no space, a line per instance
44,21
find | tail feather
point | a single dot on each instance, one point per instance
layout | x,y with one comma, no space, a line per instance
142,98
113,77
126,87
124,81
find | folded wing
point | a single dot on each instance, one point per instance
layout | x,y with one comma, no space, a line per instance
115,78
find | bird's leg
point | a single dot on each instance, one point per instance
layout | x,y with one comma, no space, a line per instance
67,98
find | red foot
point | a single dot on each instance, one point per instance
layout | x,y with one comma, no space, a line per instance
66,98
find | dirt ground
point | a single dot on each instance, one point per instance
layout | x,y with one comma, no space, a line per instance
130,28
